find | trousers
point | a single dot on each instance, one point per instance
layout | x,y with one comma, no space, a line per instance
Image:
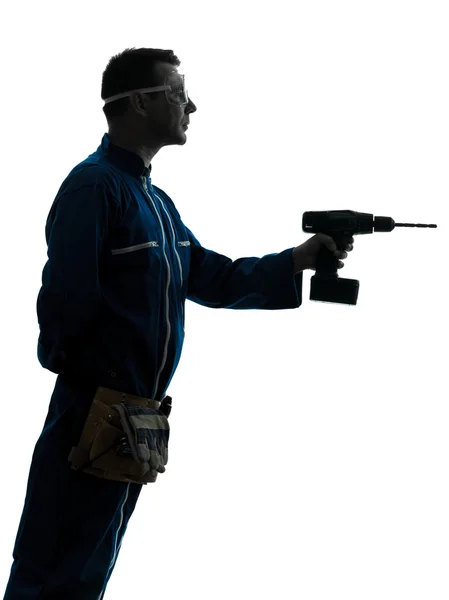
72,525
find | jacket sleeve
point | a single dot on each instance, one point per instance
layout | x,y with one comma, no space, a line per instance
266,283
69,300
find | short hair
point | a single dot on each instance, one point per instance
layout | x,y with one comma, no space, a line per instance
131,69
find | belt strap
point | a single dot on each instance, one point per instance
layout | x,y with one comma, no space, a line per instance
111,397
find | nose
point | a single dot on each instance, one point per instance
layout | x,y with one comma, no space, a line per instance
191,106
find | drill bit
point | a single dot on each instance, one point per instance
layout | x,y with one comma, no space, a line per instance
412,225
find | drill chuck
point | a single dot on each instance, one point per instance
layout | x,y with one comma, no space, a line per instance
383,224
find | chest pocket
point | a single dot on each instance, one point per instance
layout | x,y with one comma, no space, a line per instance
183,254
136,257
135,248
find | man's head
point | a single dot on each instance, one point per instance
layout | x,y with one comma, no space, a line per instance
144,122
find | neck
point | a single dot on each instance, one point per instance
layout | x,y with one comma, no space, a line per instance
123,139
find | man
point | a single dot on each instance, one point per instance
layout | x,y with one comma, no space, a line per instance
121,264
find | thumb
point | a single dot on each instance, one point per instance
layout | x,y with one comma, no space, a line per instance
328,241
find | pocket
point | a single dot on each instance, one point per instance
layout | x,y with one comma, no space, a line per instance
107,438
134,272
96,450
101,430
135,248
138,256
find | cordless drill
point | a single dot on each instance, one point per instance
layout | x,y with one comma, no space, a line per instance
325,285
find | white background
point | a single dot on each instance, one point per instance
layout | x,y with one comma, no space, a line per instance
308,447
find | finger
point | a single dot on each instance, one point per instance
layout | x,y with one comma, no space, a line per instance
341,254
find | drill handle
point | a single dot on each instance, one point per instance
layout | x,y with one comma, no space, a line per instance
327,262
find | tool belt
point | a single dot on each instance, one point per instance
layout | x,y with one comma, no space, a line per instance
124,438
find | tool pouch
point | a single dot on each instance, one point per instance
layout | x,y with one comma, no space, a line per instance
105,449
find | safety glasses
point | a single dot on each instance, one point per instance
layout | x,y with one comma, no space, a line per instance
174,87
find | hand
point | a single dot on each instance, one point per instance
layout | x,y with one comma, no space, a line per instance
305,255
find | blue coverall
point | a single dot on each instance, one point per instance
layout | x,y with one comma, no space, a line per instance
121,264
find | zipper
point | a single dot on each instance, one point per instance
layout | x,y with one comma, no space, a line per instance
167,303
134,248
